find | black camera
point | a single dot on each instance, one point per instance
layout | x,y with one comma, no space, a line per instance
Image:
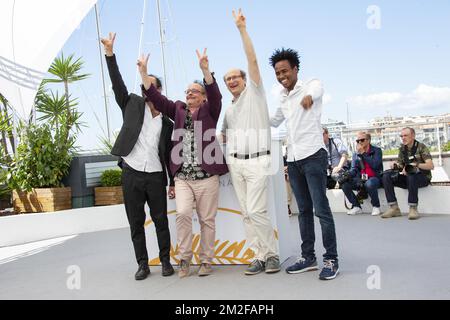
410,169
362,194
342,176
394,173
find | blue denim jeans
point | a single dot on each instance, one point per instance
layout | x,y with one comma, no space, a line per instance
411,182
308,179
371,185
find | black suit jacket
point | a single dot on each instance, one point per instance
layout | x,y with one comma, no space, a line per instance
133,110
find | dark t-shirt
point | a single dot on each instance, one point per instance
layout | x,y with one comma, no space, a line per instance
422,155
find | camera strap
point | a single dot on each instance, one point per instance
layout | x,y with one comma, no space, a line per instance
330,150
414,149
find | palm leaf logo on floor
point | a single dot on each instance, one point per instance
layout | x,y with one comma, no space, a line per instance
225,252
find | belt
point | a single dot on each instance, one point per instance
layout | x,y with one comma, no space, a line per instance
250,156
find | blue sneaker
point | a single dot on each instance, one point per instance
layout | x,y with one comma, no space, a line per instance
330,270
302,265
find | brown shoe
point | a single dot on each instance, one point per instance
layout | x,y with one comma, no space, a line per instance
413,213
205,270
183,272
393,212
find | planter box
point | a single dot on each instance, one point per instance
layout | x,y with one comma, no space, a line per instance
4,204
42,200
108,196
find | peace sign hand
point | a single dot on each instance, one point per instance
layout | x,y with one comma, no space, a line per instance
142,64
203,60
239,19
108,44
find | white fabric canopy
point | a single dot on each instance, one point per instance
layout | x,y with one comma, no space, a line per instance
32,33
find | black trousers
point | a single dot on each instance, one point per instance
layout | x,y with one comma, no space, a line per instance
139,188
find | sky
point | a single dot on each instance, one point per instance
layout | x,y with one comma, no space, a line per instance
376,57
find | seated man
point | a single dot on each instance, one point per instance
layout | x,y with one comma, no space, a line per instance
365,172
415,164
337,157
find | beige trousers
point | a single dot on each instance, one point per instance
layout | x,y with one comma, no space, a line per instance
250,183
204,194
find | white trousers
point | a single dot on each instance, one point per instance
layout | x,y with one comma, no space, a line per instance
250,179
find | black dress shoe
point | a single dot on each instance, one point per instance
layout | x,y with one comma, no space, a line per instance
142,272
167,269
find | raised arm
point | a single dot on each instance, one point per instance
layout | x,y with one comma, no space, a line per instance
204,66
213,94
160,102
118,86
253,68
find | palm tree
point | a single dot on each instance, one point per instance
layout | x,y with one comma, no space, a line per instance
67,71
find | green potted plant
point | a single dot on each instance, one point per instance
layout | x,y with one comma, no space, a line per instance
7,147
42,160
110,192
46,148
5,191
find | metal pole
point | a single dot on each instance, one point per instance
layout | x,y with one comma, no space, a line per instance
161,35
97,19
140,42
439,142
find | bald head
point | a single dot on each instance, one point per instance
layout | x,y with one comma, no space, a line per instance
235,79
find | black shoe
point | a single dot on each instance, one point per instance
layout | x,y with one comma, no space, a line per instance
142,273
167,269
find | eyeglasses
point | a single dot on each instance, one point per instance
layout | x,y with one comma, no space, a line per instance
193,91
360,140
232,78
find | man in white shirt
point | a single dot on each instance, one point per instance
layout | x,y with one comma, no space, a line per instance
301,107
247,131
143,145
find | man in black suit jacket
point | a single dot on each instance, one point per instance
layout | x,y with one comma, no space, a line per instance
144,146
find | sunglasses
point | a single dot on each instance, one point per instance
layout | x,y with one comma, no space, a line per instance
361,140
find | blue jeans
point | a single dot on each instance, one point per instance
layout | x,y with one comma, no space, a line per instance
411,182
308,179
371,185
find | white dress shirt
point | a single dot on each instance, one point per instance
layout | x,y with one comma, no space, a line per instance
304,128
145,156
246,123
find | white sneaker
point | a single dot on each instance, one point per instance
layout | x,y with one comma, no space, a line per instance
354,211
376,211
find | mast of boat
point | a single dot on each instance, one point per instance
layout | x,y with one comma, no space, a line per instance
140,43
163,42
97,19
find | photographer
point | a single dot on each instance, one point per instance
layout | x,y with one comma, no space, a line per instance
414,165
365,174
337,157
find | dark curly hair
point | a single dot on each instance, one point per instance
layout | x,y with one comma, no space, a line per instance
285,54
